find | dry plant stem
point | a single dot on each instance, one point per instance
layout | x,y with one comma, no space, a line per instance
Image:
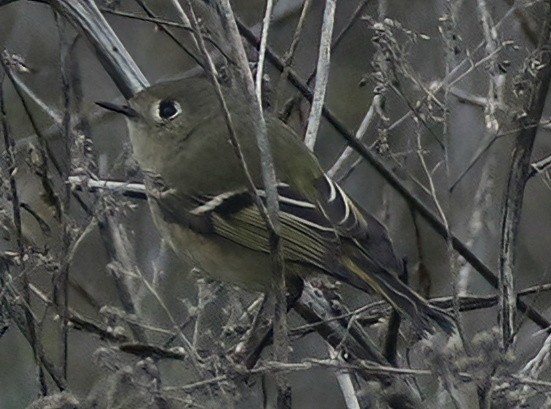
244,77
268,174
262,51
538,364
497,79
133,190
449,28
257,337
61,288
260,334
290,54
540,166
339,167
372,313
385,172
467,97
21,320
30,328
45,154
122,264
491,104
345,383
9,146
366,366
85,15
424,211
211,71
80,323
482,204
62,284
162,27
351,20
269,181
317,309
518,176
324,60
52,112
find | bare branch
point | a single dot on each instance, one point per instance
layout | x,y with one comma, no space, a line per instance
424,211
85,16
518,175
262,51
324,60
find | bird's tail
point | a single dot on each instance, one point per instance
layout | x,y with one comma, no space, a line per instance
366,275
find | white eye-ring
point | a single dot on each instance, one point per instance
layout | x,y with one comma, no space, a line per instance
166,110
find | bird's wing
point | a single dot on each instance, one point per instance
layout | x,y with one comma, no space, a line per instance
307,234
331,233
368,259
353,223
312,228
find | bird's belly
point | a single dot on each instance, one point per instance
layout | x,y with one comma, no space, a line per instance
218,258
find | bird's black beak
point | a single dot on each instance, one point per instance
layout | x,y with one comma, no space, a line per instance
120,109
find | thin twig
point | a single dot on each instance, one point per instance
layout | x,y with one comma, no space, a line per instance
85,15
262,51
289,56
367,121
322,77
269,181
540,166
497,78
421,208
29,330
62,283
21,319
534,367
344,379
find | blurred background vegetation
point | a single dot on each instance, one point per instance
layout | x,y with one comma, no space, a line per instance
395,50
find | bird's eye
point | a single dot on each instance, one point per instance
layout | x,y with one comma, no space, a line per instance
169,109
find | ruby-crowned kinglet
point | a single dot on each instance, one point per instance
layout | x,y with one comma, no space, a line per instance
202,207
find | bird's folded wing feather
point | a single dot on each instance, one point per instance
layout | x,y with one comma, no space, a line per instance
312,230
365,232
308,236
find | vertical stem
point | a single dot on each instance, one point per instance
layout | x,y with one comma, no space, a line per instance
322,76
16,208
62,286
269,182
518,175
262,51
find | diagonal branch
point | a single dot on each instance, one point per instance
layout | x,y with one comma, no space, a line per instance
412,200
85,15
